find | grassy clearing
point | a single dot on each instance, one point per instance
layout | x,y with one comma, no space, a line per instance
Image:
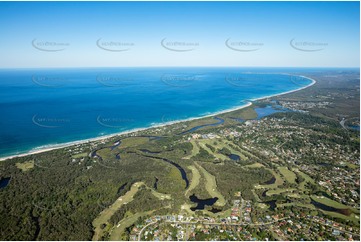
304,205
196,176
161,196
331,203
256,196
245,113
242,150
262,205
133,141
279,191
307,178
211,186
254,165
187,208
328,202
202,143
106,154
176,176
227,144
220,144
290,176
25,166
117,232
105,215
353,217
80,155
296,195
351,166
195,150
223,144
248,113
241,155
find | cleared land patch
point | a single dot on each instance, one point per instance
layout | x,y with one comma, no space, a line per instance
25,166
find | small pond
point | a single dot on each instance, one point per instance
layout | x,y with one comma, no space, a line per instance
234,157
201,203
4,182
325,207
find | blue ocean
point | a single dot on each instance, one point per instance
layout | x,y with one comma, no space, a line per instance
45,107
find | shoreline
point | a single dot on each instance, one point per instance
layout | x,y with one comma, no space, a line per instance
104,137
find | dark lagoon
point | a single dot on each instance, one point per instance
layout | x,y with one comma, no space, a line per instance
201,203
4,182
234,157
344,211
270,181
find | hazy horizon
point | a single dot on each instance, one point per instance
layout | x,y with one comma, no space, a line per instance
177,34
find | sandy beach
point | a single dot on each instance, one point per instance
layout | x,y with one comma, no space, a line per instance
64,145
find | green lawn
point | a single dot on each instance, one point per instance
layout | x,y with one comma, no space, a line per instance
328,202
105,215
196,176
304,205
290,176
117,231
240,153
353,217
161,196
202,143
307,178
279,191
254,165
221,143
195,150
80,155
211,186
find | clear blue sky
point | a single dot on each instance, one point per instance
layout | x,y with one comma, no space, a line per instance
272,25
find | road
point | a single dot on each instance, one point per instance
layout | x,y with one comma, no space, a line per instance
237,224
141,231
227,224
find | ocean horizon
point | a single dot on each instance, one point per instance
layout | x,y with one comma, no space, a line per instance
42,108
